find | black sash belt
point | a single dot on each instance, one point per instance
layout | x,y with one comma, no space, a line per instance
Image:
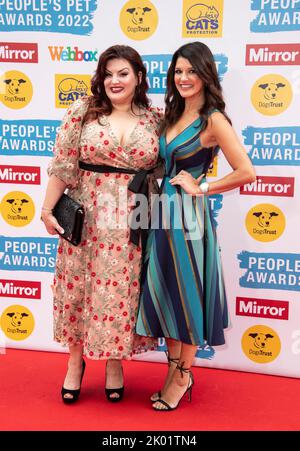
139,184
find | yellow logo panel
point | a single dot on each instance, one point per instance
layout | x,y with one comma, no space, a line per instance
17,208
261,344
15,89
271,94
202,20
265,222
17,322
138,19
213,168
70,87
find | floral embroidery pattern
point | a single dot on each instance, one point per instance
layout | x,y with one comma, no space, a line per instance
96,285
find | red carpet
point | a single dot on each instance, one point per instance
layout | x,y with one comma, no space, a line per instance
222,400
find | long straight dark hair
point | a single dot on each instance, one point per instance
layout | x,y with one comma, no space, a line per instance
202,61
99,103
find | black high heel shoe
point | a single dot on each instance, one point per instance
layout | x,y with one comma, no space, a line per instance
75,393
156,396
187,391
114,391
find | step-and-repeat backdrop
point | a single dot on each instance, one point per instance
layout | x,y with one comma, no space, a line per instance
48,53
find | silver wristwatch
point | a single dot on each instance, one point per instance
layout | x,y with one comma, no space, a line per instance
204,187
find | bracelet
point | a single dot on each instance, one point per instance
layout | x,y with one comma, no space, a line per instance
47,209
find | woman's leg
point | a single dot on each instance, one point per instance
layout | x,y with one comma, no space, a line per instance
114,376
174,351
73,376
180,380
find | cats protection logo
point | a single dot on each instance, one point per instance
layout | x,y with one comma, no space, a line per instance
271,94
261,344
17,322
265,222
17,209
69,88
203,20
138,19
15,89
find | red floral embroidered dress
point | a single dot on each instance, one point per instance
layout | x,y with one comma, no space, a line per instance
96,285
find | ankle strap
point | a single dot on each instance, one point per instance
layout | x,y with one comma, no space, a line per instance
171,360
182,369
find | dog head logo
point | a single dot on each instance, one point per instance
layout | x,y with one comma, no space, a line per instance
17,204
17,318
138,14
260,340
265,217
265,222
138,19
17,208
271,94
14,85
261,344
202,11
15,89
17,322
271,90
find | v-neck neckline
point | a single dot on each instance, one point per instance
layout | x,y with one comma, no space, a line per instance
127,143
180,133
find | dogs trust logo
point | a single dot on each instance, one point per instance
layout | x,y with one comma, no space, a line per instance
69,88
261,344
138,19
15,89
265,222
202,19
17,322
271,94
17,209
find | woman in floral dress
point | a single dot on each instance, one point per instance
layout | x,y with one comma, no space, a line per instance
96,284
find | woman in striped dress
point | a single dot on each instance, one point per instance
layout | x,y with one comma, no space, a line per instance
183,297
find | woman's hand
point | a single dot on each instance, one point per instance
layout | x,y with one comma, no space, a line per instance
188,183
51,223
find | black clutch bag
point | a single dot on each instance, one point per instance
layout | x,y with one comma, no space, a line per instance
69,215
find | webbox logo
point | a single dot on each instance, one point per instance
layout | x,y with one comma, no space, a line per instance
270,186
18,52
23,289
262,308
27,175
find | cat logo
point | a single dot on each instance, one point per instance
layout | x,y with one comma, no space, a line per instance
201,11
70,88
202,19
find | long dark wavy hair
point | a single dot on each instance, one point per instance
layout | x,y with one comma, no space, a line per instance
202,61
99,103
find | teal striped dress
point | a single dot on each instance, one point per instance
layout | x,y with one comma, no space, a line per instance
182,289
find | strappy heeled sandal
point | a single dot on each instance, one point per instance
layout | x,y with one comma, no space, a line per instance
74,393
156,396
187,391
